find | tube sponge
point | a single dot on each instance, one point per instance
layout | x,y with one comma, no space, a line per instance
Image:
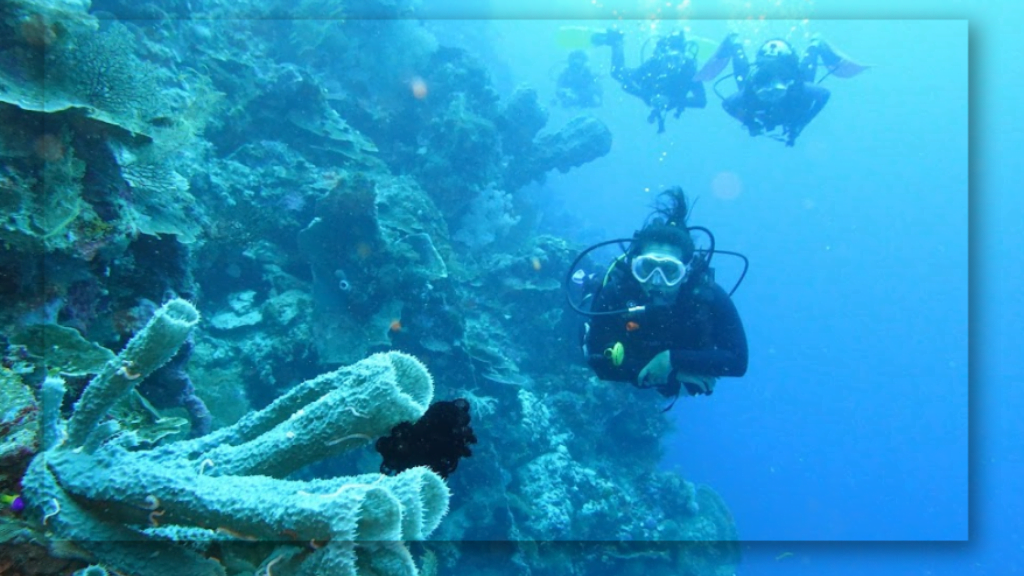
51,396
421,493
256,507
127,507
148,350
350,406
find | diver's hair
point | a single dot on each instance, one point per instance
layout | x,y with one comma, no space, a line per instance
666,224
670,207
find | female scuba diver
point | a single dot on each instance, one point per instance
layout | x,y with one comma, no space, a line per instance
657,318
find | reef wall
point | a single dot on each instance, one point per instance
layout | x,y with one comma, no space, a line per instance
340,196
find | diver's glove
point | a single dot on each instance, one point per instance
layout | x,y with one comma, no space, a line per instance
695,384
659,374
791,134
669,389
656,373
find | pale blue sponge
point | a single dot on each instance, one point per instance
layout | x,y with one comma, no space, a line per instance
124,508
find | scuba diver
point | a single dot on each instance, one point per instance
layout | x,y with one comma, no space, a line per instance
657,318
781,93
577,85
664,81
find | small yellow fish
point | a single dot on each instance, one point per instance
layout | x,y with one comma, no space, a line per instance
783,555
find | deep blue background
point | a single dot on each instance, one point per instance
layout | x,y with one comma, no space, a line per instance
851,422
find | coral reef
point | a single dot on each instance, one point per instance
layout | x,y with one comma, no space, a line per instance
584,139
19,441
338,191
371,249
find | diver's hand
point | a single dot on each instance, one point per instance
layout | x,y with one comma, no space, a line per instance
696,384
656,372
791,135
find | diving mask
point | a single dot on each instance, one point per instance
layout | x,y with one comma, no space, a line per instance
658,269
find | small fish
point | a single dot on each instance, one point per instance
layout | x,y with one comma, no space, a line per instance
13,501
631,326
783,556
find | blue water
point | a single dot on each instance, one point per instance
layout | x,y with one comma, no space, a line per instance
852,423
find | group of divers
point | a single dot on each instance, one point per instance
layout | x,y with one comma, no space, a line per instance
655,316
777,95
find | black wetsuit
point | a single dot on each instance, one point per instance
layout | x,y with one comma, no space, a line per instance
578,87
664,83
802,101
792,113
702,329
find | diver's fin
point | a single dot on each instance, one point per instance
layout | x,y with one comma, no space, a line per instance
711,69
838,64
704,46
717,62
846,68
575,37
